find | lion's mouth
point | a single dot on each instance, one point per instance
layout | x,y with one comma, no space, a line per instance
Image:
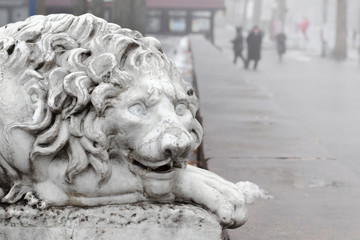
160,169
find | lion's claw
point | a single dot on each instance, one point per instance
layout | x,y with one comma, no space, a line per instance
33,200
41,204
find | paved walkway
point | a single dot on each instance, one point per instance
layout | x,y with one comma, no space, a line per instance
248,136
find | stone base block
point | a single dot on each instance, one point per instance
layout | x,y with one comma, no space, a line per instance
143,221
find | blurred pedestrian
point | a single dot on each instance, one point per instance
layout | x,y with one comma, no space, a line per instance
281,44
254,46
304,26
238,45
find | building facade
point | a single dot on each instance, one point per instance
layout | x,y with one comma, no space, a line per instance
182,17
166,17
13,11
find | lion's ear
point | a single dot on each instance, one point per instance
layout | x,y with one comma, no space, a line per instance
101,67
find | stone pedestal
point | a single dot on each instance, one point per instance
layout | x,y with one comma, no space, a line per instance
136,221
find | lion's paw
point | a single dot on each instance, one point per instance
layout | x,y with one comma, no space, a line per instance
33,200
213,192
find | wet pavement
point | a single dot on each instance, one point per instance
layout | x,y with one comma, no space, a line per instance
322,95
252,134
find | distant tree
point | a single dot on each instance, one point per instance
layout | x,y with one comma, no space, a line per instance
257,12
129,14
97,8
359,37
324,41
282,12
244,17
80,7
40,7
340,50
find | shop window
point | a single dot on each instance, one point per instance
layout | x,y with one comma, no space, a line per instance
177,13
201,14
200,25
153,24
19,14
154,13
177,24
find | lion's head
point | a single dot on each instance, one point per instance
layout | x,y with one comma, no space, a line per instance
101,93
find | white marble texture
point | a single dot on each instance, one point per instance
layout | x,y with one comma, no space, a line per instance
93,114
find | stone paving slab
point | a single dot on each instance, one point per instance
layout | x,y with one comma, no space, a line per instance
310,203
247,136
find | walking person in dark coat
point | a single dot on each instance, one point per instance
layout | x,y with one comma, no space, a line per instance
254,47
238,45
281,44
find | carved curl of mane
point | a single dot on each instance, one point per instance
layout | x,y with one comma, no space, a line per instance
60,55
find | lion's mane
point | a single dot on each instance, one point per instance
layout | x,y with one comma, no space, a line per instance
72,67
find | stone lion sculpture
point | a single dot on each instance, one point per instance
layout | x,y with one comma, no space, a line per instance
94,114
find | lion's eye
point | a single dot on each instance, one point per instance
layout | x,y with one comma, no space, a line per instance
137,109
180,109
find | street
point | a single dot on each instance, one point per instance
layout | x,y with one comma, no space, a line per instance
322,95
290,128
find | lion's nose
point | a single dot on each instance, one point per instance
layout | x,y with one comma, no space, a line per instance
175,143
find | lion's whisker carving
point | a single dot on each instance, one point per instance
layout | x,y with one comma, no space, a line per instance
96,114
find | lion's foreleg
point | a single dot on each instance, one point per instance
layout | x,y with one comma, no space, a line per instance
51,194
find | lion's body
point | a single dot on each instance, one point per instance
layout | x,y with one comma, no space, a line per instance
60,86
94,114
14,107
50,170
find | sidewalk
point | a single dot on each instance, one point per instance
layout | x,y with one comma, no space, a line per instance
249,137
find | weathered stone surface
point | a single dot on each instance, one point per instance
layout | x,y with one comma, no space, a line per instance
135,221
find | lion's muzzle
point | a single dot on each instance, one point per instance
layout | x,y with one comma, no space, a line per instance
175,143
173,146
